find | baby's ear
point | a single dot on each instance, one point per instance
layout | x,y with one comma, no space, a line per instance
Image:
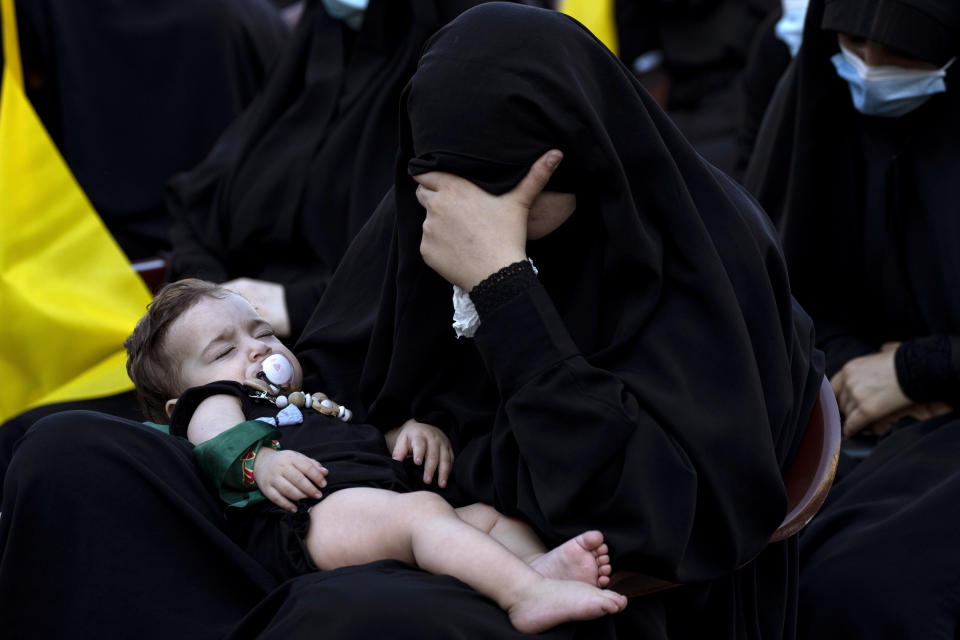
169,406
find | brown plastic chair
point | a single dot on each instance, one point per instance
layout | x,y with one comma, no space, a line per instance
807,482
153,271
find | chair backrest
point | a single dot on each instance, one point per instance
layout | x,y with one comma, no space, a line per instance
810,476
807,481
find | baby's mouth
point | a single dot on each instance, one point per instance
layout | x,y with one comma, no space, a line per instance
276,370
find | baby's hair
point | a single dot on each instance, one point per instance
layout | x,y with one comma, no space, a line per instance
155,374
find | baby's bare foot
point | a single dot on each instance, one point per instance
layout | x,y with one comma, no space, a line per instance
584,558
547,603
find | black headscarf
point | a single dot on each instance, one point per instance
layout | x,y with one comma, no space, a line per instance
133,93
675,374
288,186
866,205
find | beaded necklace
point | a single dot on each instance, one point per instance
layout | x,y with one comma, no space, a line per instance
272,384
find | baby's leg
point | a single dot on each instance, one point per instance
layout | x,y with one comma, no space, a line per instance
512,533
358,525
585,558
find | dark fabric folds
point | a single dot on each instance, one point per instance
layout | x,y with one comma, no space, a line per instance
653,384
116,505
704,46
880,559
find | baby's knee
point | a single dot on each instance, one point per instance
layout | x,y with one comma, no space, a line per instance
482,516
421,503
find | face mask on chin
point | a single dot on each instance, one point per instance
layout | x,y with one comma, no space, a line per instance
887,91
349,11
789,29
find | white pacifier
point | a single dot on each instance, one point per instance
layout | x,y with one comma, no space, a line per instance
278,370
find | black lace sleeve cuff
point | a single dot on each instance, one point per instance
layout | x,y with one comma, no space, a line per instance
502,286
925,369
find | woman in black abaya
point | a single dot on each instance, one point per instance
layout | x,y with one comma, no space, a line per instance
868,219
655,384
288,186
651,382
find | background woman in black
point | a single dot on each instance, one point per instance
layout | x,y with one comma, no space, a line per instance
867,213
286,188
655,377
691,55
866,217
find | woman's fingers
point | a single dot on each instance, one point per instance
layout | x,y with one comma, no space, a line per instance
855,422
836,382
537,177
430,180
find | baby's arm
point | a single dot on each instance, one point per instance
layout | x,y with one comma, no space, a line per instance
422,441
282,476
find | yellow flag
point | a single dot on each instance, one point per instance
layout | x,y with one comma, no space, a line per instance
596,15
68,296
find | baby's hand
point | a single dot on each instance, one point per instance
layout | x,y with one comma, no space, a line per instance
287,476
423,440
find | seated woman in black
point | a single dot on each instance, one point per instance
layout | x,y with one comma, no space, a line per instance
654,381
853,161
653,377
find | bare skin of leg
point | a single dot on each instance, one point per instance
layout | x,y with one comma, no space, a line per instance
585,558
359,525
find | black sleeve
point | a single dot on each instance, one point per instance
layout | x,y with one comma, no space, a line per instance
574,447
928,369
191,256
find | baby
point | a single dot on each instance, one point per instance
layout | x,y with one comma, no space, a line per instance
189,357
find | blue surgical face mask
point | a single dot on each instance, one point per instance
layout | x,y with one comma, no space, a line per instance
349,11
888,91
789,28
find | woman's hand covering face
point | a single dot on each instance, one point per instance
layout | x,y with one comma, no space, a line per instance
469,234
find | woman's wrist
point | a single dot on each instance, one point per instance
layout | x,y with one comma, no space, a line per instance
501,286
474,276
